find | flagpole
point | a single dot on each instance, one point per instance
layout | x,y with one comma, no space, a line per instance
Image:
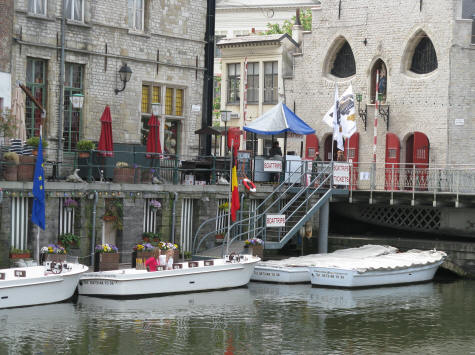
230,194
333,132
37,256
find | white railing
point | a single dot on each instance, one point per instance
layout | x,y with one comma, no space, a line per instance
413,177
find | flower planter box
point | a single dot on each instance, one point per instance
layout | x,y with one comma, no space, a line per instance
20,256
106,261
147,176
256,250
26,169
124,175
10,172
83,155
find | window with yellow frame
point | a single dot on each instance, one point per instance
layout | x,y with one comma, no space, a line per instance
174,102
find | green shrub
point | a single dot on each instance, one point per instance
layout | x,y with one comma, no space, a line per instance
85,145
35,142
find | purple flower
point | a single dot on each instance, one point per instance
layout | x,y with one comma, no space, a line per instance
155,204
69,202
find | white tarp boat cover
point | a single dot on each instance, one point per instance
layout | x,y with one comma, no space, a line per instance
411,258
350,253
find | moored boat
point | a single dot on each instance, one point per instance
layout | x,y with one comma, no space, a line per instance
295,269
203,275
34,285
400,268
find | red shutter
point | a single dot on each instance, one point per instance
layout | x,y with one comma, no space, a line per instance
311,146
420,158
393,156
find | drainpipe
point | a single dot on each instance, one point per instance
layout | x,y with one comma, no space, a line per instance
173,217
93,236
61,90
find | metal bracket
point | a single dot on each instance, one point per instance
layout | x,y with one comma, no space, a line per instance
363,114
385,115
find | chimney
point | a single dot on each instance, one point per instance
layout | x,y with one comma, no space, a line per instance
297,29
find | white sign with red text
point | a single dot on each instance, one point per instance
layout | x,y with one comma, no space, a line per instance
341,174
273,166
275,220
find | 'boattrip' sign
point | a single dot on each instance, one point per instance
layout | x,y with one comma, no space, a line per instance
275,220
273,165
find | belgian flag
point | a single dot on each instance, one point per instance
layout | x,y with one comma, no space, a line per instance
235,205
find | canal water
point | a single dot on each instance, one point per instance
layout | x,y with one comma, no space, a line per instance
431,318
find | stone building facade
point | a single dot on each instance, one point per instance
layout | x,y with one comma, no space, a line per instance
432,95
161,42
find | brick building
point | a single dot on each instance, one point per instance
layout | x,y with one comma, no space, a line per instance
162,43
426,51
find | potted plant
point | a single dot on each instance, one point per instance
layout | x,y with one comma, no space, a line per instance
53,252
106,257
255,246
147,236
219,238
70,204
68,240
155,205
84,148
114,212
10,171
19,253
34,142
123,173
26,169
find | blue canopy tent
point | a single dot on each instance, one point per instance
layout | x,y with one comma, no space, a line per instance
278,122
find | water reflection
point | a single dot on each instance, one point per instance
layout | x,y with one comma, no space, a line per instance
259,319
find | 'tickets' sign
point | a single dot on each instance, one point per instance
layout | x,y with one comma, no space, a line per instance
275,220
273,165
341,174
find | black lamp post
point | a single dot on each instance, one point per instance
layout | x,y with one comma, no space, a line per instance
362,113
125,73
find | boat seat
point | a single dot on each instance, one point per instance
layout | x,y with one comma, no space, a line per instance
161,267
2,276
20,273
209,262
192,264
177,266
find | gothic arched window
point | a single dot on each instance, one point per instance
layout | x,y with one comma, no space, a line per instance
344,64
424,59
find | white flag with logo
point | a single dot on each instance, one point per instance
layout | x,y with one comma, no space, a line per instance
337,129
346,108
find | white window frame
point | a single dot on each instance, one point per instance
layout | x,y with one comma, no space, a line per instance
133,25
70,16
35,6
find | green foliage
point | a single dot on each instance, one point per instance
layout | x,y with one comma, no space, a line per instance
19,251
7,124
114,208
12,157
305,20
85,145
35,142
187,254
67,240
217,98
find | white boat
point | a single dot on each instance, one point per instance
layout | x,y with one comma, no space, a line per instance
192,276
400,268
295,270
34,285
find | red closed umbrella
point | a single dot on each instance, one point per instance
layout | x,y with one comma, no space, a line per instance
105,146
153,138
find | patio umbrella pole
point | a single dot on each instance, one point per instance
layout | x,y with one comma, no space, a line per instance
229,197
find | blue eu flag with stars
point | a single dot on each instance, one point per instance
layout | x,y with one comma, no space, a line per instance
38,214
